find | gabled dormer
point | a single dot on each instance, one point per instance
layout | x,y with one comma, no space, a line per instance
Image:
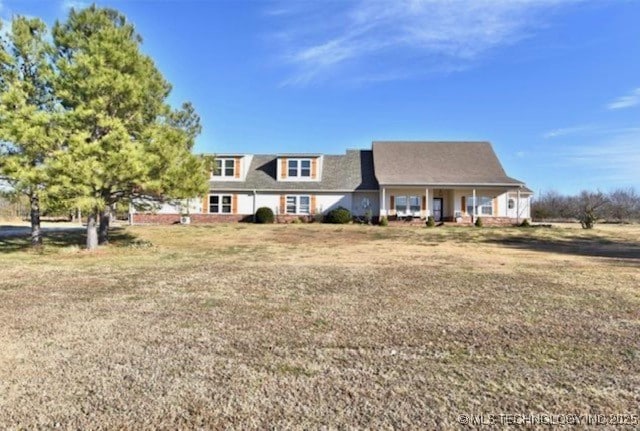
299,167
231,167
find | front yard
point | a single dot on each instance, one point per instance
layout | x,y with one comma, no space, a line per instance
247,326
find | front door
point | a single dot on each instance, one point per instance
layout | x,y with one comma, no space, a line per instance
437,209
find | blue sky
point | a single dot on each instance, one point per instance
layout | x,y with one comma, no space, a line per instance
553,84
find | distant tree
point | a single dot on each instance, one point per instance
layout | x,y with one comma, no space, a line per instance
552,205
13,204
624,205
29,122
589,207
123,138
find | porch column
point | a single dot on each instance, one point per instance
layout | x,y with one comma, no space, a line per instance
383,203
475,205
518,208
254,206
427,204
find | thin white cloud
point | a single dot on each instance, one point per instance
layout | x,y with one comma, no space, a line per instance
555,133
420,34
614,156
589,129
74,4
630,100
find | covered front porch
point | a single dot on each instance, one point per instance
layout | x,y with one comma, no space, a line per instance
453,204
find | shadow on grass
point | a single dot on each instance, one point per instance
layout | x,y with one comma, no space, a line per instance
14,240
575,245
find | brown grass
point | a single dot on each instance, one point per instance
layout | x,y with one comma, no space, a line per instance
303,326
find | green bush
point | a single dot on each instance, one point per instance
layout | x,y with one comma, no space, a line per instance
384,221
478,222
368,215
264,215
431,222
338,215
525,223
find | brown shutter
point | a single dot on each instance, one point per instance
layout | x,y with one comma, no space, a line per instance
283,204
392,202
234,204
314,168
205,204
424,203
313,205
463,202
495,206
283,168
236,166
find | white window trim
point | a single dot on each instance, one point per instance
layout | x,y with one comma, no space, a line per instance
408,211
220,198
297,204
488,204
298,176
221,173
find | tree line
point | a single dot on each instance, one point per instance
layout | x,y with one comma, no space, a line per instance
621,205
85,122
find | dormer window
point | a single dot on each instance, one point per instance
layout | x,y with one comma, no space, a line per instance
225,168
299,168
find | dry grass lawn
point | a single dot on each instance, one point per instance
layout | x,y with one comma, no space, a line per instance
303,326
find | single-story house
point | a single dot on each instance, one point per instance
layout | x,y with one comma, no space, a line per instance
451,181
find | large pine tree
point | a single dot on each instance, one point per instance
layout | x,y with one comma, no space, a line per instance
30,128
123,139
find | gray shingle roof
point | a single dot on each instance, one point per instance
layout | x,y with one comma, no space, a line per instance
443,163
352,171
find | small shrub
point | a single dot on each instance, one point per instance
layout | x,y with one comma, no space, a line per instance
525,223
318,217
368,215
384,221
338,215
297,220
478,222
264,215
587,221
431,222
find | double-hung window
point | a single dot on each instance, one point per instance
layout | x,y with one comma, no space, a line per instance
220,204
304,205
407,205
414,204
225,168
292,204
300,168
483,204
305,168
298,205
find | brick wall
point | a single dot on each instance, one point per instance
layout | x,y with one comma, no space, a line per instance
289,218
498,221
140,218
399,221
